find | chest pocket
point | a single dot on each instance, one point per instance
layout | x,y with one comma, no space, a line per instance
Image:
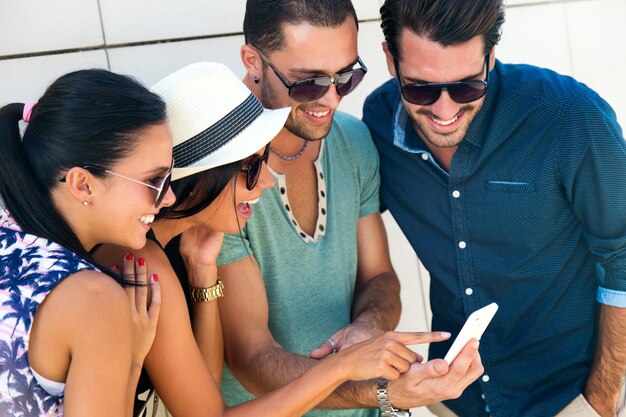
510,186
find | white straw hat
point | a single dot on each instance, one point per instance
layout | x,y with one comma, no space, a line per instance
215,119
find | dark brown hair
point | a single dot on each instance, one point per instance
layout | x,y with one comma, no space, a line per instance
264,19
447,22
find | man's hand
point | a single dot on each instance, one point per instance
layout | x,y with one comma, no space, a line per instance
435,381
351,334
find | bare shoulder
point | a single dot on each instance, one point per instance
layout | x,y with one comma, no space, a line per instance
87,307
85,296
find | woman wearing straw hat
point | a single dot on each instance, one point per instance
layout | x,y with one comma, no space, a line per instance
221,133
67,325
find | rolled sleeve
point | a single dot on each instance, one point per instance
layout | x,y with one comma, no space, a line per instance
612,297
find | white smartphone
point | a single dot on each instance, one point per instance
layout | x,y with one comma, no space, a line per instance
473,328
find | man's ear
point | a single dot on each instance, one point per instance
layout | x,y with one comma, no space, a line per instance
390,66
492,58
251,61
80,183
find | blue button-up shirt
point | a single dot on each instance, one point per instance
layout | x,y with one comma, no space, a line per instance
531,215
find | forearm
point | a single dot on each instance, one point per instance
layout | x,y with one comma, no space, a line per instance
607,373
298,397
133,380
205,320
208,334
377,302
275,368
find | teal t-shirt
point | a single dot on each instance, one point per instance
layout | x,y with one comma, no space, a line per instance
310,280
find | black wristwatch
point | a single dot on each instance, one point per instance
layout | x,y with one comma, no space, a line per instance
386,409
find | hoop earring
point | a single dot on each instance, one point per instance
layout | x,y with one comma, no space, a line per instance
256,79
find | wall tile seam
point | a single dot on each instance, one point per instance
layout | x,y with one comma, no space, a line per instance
105,46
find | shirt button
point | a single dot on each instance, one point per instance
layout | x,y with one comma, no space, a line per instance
485,378
482,396
469,291
462,245
456,194
425,156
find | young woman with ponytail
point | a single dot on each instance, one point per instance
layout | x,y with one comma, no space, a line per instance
89,164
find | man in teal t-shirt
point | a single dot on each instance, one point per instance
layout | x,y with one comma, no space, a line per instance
309,277
311,271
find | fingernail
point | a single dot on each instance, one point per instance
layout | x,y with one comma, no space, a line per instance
445,334
129,256
155,277
141,262
476,344
115,268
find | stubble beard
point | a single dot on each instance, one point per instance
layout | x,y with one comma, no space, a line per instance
443,140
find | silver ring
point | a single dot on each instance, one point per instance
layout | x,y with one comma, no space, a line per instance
332,343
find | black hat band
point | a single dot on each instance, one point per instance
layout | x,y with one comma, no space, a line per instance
217,135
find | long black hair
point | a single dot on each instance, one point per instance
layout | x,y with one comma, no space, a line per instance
87,117
196,192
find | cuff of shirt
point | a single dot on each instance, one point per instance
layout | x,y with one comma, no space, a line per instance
611,297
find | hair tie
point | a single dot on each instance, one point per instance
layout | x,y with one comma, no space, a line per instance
28,110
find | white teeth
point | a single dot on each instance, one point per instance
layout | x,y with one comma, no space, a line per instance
147,219
318,113
252,201
445,122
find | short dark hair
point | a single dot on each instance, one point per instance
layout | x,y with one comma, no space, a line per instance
264,19
447,22
88,117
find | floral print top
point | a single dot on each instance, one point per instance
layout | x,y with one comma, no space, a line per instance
30,267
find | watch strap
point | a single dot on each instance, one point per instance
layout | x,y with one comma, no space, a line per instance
204,295
386,409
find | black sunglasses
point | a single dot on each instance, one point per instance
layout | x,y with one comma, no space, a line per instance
306,90
253,168
462,92
161,189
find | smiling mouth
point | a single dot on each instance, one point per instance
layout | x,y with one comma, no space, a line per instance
147,219
245,208
317,113
445,122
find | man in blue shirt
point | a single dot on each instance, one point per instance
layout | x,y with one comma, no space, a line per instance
509,182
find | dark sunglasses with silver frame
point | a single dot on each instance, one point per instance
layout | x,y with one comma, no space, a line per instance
252,167
161,189
425,94
306,90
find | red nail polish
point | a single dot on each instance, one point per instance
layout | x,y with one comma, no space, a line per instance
155,277
141,262
129,256
115,267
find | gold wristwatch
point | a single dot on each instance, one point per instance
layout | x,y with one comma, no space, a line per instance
204,295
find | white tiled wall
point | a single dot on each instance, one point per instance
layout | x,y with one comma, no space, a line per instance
25,79
28,26
127,21
150,38
152,62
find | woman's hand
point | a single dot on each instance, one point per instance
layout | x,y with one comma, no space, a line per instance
199,247
385,356
144,306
